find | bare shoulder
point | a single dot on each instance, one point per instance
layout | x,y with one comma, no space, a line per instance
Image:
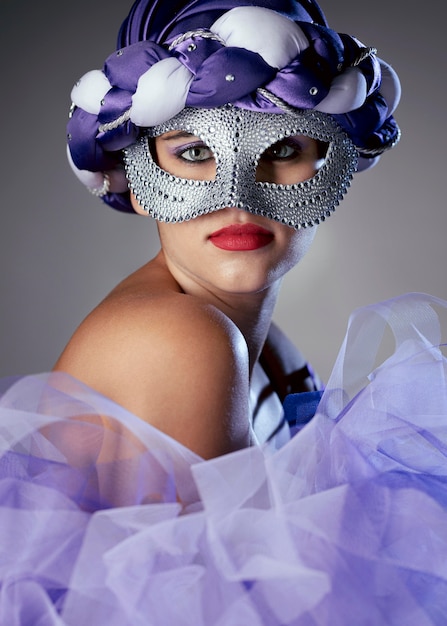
171,359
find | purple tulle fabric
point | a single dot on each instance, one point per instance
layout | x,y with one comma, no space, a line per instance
105,520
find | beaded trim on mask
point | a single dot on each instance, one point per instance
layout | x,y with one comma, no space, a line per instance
238,138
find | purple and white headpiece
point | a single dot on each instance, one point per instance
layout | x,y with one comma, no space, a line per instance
275,57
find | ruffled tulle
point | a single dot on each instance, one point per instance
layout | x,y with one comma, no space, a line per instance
106,520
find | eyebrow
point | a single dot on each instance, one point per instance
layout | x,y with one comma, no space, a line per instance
176,135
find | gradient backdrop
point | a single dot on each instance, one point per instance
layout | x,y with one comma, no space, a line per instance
62,250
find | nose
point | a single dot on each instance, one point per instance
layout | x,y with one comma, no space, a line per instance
235,211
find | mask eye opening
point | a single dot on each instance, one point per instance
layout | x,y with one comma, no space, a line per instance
292,160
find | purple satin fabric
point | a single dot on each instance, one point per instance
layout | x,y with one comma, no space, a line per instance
160,21
125,66
80,129
211,85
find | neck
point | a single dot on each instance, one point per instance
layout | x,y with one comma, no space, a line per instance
252,315
250,312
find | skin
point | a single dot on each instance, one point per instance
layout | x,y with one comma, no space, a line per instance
178,341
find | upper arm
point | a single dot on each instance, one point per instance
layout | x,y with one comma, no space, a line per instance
182,368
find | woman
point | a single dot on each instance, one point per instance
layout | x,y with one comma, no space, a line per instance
232,289
238,128
201,310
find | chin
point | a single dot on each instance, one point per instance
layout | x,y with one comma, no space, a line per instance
247,282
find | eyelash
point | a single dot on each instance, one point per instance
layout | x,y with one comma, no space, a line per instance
287,143
182,150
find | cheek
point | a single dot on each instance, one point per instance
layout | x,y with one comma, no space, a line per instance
305,238
298,245
176,240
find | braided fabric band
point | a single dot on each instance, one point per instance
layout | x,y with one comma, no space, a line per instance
250,56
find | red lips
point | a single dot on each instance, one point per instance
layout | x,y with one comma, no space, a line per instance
239,237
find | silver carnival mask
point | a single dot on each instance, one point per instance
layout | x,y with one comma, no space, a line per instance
238,138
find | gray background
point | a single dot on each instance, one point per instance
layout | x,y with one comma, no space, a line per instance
62,250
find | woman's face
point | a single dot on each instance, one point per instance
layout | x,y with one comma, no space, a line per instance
232,250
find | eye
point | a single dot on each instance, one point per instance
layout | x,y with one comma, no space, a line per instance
195,153
282,150
291,160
